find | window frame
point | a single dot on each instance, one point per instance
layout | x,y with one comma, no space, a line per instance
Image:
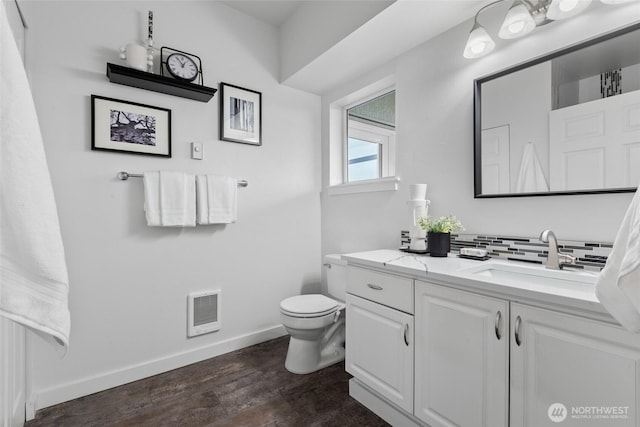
384,137
338,134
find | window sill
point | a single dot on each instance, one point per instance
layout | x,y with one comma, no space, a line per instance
365,186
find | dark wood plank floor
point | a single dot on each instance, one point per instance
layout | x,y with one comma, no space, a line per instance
248,387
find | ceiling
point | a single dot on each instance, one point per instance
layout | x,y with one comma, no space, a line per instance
399,27
273,12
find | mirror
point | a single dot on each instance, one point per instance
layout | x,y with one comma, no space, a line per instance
565,123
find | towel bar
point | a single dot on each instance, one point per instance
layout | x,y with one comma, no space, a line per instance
126,175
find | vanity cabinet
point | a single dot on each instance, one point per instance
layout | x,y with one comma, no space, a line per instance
461,357
380,337
589,367
439,355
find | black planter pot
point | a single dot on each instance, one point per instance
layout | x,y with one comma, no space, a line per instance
439,244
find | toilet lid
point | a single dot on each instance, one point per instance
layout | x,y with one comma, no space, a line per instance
308,304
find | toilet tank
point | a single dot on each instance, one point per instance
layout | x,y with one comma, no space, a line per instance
336,276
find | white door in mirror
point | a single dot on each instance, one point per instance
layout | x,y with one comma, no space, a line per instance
182,67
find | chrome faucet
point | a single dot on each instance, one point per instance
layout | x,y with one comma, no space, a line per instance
555,259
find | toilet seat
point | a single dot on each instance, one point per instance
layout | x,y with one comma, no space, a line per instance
314,305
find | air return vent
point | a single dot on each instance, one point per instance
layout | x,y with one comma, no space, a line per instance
203,312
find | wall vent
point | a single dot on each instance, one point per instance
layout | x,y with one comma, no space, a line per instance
203,312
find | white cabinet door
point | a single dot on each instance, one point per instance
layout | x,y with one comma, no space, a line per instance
379,349
462,358
572,371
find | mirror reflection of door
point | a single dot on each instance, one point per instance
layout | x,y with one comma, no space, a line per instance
596,144
495,160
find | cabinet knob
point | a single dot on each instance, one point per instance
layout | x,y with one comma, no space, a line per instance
517,330
374,287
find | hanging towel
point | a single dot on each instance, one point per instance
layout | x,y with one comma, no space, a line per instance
34,283
151,181
618,286
217,199
170,199
177,199
531,178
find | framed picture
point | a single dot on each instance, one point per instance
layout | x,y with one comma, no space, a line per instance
130,127
240,115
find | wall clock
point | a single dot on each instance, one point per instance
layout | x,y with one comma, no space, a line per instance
181,65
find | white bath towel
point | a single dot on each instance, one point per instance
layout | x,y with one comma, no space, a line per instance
170,199
217,199
618,286
531,178
34,283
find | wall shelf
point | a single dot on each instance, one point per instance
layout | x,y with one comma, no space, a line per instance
143,80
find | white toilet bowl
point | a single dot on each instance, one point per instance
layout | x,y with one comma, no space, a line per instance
316,324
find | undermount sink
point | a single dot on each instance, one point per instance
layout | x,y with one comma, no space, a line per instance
531,275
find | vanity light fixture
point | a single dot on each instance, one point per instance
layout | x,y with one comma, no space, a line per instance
518,22
479,43
521,19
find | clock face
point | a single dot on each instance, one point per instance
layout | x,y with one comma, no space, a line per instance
182,67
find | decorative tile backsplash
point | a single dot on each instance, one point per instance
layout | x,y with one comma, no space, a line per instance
589,255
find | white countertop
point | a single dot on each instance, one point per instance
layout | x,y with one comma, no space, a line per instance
453,271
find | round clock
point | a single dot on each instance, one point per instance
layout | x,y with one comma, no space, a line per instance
182,67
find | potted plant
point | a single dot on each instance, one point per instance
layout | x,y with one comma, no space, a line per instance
439,233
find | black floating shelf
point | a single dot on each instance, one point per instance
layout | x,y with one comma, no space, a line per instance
143,80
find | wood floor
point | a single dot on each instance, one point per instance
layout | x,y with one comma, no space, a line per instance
248,387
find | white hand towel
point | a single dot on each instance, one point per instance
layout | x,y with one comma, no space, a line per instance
151,182
618,286
34,283
531,178
202,200
169,199
177,199
217,199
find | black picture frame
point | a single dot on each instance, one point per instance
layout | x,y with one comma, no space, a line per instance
112,129
240,114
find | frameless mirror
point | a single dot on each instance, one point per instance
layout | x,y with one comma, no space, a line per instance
566,123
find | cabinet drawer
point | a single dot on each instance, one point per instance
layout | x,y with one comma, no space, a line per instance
392,291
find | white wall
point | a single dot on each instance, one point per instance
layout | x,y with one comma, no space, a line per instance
306,35
129,282
434,92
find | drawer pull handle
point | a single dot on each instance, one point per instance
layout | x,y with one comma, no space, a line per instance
374,287
404,334
497,325
517,332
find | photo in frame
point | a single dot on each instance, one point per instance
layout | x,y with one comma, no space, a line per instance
130,127
240,115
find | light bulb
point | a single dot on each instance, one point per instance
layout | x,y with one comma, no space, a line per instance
516,27
478,47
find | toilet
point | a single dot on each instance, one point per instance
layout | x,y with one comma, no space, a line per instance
316,323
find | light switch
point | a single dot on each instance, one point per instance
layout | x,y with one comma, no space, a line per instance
196,150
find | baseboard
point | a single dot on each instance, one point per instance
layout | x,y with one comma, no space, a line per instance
378,405
104,381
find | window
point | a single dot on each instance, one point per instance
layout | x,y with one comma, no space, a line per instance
361,133
370,139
